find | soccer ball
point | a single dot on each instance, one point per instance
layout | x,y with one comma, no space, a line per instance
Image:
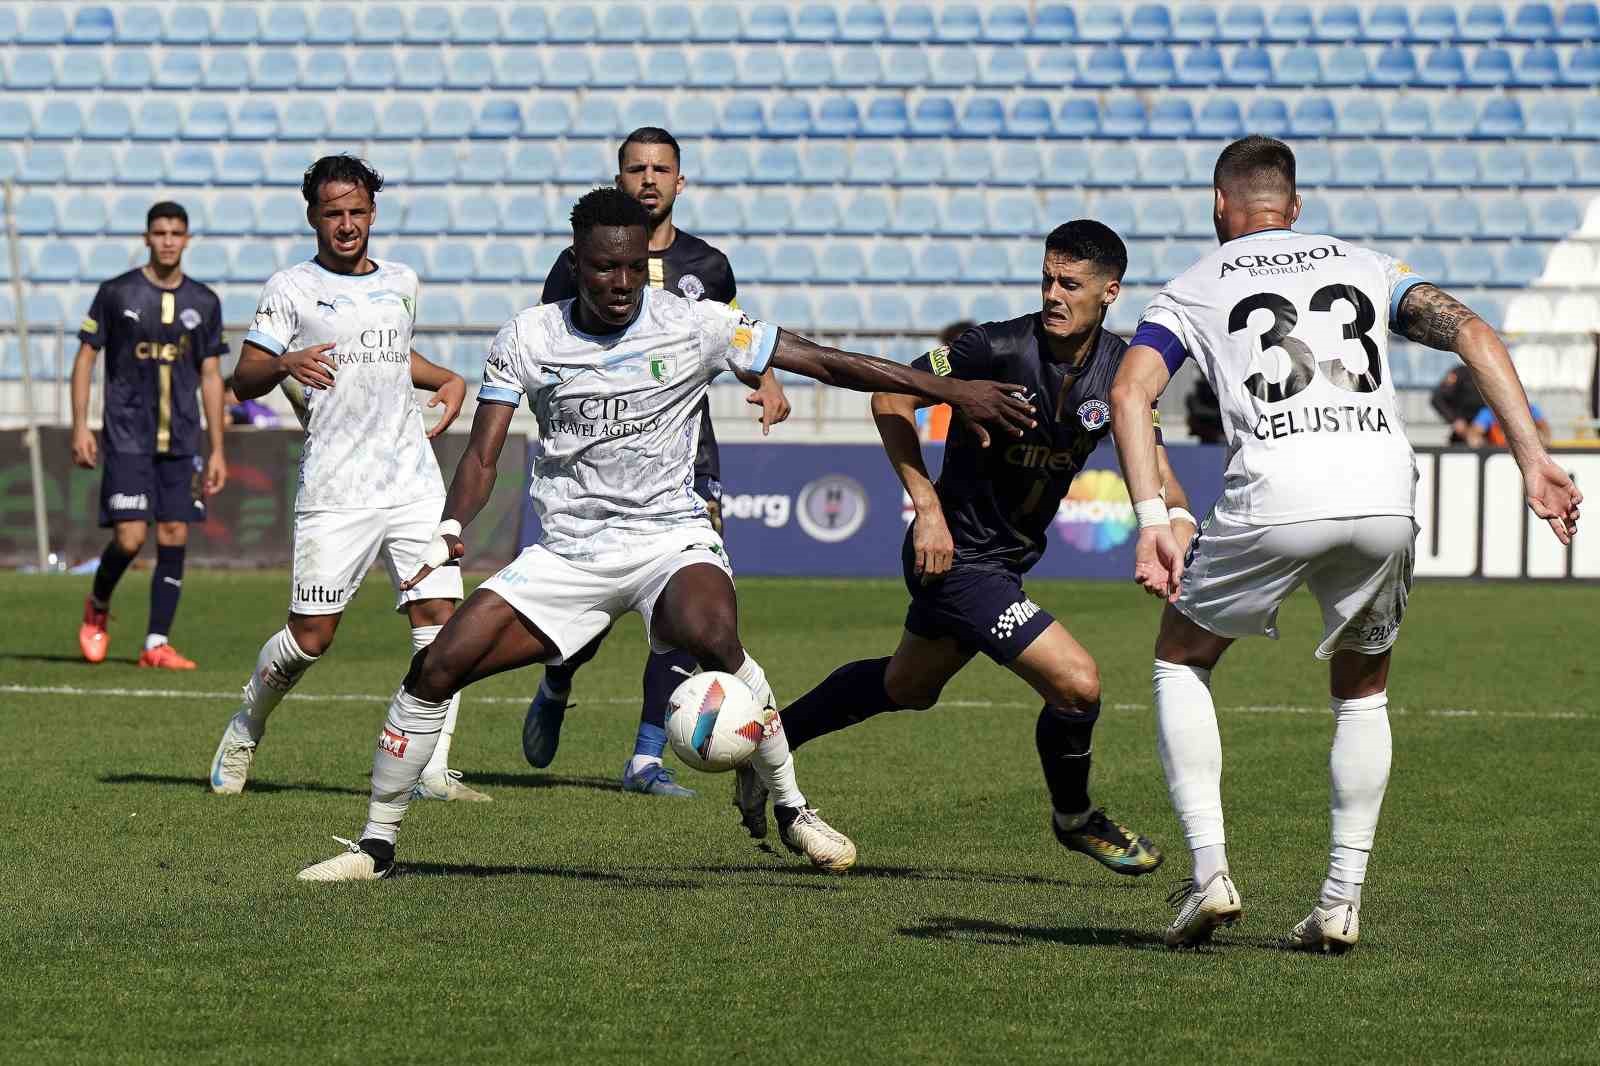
714,722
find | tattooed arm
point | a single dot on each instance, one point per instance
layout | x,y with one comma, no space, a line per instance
1431,316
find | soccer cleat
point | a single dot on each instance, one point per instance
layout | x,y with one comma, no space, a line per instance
1332,930
93,640
655,780
804,832
447,786
1111,844
1201,909
230,766
354,864
750,797
165,657
541,729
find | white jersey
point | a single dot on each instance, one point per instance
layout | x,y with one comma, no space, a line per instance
365,446
619,414
1291,330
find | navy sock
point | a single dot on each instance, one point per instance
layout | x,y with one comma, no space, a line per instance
1063,737
853,693
663,673
112,565
559,676
165,587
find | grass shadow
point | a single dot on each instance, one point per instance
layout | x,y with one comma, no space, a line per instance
621,880
500,780
904,873
129,660
1007,934
201,784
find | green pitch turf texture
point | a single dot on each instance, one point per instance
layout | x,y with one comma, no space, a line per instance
150,922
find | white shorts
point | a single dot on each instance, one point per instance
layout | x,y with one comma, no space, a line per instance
333,550
1359,569
572,601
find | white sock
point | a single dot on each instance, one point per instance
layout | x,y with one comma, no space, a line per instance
1358,768
1191,755
154,641
773,762
439,761
639,763
278,669
409,734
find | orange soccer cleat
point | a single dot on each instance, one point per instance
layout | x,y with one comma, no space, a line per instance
165,657
93,640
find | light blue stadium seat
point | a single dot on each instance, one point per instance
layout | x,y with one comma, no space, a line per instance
285,24
1105,67
717,23
393,161
59,120
1197,221
128,70
981,116
480,24
584,163
1454,218
36,211
911,22
669,23
749,261
1469,266
596,117
1219,118
808,68
332,24
645,111
1435,24
1456,118
372,70
1338,23
1123,118
1408,165
986,262
964,215
183,24
1251,65
1202,66
547,116
1067,166
1149,23
1005,24
240,165
1501,117
760,67
1268,115
1344,67
192,165
886,117
1163,165
126,216
1004,67
1444,66
1483,22
1290,23
1457,165
854,67
1053,24
490,308
1100,23
873,164
1029,117
1582,68
475,215
1492,67
325,68
889,261
16,123
1112,166
1299,67
1143,268
1158,217
866,213
1579,22
1018,164
1550,165
1520,266
777,164
1153,66
84,71
474,68
958,23
31,71
453,261
403,120
728,165
573,24
484,163
917,214
1196,24
1313,164
1360,116
841,262
107,260
226,70
1357,217
1313,116
815,23
1052,68
231,215
713,68
56,263
1395,65
1533,22
275,68
450,119
1538,67
1243,22
303,120
951,67
525,214
236,24
136,24
1077,117
743,116
1387,24
1314,217
45,24
790,117
383,24
668,68
863,22
1409,116
1549,117
825,162
967,163
159,120
839,309
1557,219
93,164
281,214
179,69
816,211
353,120
253,261
206,260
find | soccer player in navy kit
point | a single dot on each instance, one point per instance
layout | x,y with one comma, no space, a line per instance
648,170
162,333
985,523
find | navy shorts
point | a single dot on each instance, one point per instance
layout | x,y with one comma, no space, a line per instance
138,487
983,608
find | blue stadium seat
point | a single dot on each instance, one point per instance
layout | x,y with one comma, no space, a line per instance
1019,164
206,120
808,68
1357,217
324,69
1456,119
1113,166
1219,118
1532,22
226,71
32,71
1435,24
596,117
137,24
403,120
1291,23
1053,24
1409,116
547,116
1268,115
863,22
958,23
743,116
1005,24
59,120
1078,116
484,163
815,23
1395,66
179,69
1345,67
1538,67
1123,117
886,117
1586,119
839,309
1105,67
192,165
1158,217
1149,23
1197,221
986,262
450,119
1454,218
645,111
393,161
668,68
236,24
951,67
963,215
1299,67
1052,68
525,213
232,215
45,24
426,215
824,162
1153,66
207,260
889,310
1557,219
253,262
1201,66
855,67
816,211
184,24
873,164
1313,164
480,24
584,163
1360,116
56,262
1387,24
286,24
372,70
1029,117
525,24
1170,117
128,70
769,212
728,165
16,123
760,67
1444,66
837,117
776,164
1143,269
981,116
1314,216
1550,165
159,120
1313,116
93,164
1520,266
1338,24
383,24
303,120
1483,22
1582,68
1242,23
1491,67
1067,166
36,212
275,68
1196,24
911,22
281,215
916,214
1548,117
841,262
85,71
126,217
1251,65
1501,117
107,260
1457,165
332,24
353,120
866,213
1579,22
1101,23
573,24
968,163
1004,67
453,262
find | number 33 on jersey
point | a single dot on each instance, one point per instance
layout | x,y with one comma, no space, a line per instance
1285,327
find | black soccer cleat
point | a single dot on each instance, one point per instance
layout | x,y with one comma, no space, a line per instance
1111,844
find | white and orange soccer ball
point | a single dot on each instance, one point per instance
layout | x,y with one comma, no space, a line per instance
714,722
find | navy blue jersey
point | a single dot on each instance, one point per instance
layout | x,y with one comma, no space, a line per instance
155,340
999,501
691,268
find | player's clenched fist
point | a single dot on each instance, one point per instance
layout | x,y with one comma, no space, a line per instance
445,547
931,541
85,448
311,366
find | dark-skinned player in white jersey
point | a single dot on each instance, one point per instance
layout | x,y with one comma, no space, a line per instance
648,169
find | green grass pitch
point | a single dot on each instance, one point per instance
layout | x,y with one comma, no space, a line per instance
149,922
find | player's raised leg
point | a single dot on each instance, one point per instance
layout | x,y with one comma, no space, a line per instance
697,612
1061,671
541,726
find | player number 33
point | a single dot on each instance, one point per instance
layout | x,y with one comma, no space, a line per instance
1303,365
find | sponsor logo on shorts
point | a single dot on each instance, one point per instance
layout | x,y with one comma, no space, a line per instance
318,594
1094,414
393,742
832,508
189,317
122,501
1012,618
1096,515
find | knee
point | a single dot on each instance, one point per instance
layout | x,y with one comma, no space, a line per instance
714,642
910,692
1077,685
431,612
172,534
130,538
432,676
312,633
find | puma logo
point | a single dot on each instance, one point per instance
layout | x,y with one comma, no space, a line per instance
128,312
329,306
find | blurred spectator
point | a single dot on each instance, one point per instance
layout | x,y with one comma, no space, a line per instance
1485,431
1458,402
248,412
936,420
1205,413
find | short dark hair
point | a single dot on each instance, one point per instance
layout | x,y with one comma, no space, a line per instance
649,135
340,168
1088,241
1255,157
166,209
607,206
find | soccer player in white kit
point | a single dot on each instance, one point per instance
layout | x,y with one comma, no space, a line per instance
1318,490
615,376
341,325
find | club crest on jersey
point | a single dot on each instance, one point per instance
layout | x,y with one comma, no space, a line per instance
661,369
189,317
1094,413
691,286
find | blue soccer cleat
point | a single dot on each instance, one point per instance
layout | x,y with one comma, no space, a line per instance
541,729
655,780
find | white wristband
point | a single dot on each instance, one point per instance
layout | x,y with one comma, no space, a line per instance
438,552
1151,512
1178,514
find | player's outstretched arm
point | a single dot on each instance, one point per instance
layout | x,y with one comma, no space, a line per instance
896,419
1431,316
449,389
469,488
767,393
985,404
1158,564
85,449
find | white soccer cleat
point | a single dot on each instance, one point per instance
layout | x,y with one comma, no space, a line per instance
230,767
805,833
352,865
447,785
1201,909
1332,930
750,796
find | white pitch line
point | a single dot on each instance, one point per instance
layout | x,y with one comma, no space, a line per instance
364,697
